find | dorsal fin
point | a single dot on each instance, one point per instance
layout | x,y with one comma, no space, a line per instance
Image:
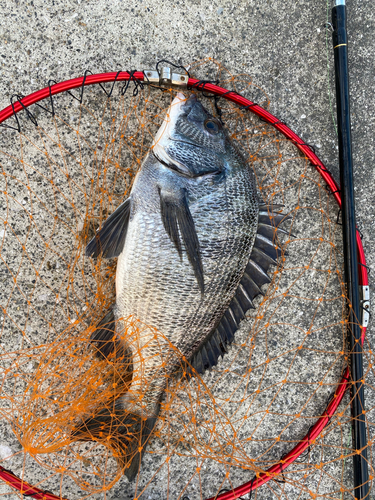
264,254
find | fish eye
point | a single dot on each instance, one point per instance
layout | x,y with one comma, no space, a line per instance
212,126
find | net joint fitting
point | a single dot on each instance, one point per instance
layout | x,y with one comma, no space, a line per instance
165,77
365,304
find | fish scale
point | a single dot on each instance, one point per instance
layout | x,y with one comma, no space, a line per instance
162,278
192,257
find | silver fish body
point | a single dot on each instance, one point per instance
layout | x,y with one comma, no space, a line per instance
160,288
184,238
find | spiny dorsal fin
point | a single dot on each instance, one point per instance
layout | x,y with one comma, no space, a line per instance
263,255
179,224
109,240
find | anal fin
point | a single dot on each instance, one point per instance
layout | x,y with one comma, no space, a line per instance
106,342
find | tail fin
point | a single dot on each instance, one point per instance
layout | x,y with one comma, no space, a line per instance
125,433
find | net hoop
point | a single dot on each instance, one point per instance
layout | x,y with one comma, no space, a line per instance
343,385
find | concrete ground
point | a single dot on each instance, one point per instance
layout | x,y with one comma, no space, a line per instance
281,44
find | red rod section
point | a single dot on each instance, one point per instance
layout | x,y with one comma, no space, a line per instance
277,469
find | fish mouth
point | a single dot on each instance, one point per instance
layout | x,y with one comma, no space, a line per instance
189,104
174,111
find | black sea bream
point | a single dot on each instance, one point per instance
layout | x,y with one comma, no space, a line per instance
193,248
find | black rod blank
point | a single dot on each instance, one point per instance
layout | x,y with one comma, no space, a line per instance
354,329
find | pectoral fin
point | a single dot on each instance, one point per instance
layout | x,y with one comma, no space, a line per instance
179,225
109,240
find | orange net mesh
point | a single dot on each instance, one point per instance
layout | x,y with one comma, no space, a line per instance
59,182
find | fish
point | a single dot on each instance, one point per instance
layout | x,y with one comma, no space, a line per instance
194,247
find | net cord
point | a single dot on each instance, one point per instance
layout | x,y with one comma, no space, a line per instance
344,384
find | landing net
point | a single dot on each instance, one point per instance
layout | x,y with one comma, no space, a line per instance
61,176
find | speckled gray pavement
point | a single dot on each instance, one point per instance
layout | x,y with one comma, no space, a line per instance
280,43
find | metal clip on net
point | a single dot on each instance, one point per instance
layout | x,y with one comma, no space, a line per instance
165,78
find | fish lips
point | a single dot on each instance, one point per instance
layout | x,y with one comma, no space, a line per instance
189,104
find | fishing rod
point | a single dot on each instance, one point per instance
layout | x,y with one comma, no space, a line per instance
354,328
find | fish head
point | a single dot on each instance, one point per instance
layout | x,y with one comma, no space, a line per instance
199,127
191,140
